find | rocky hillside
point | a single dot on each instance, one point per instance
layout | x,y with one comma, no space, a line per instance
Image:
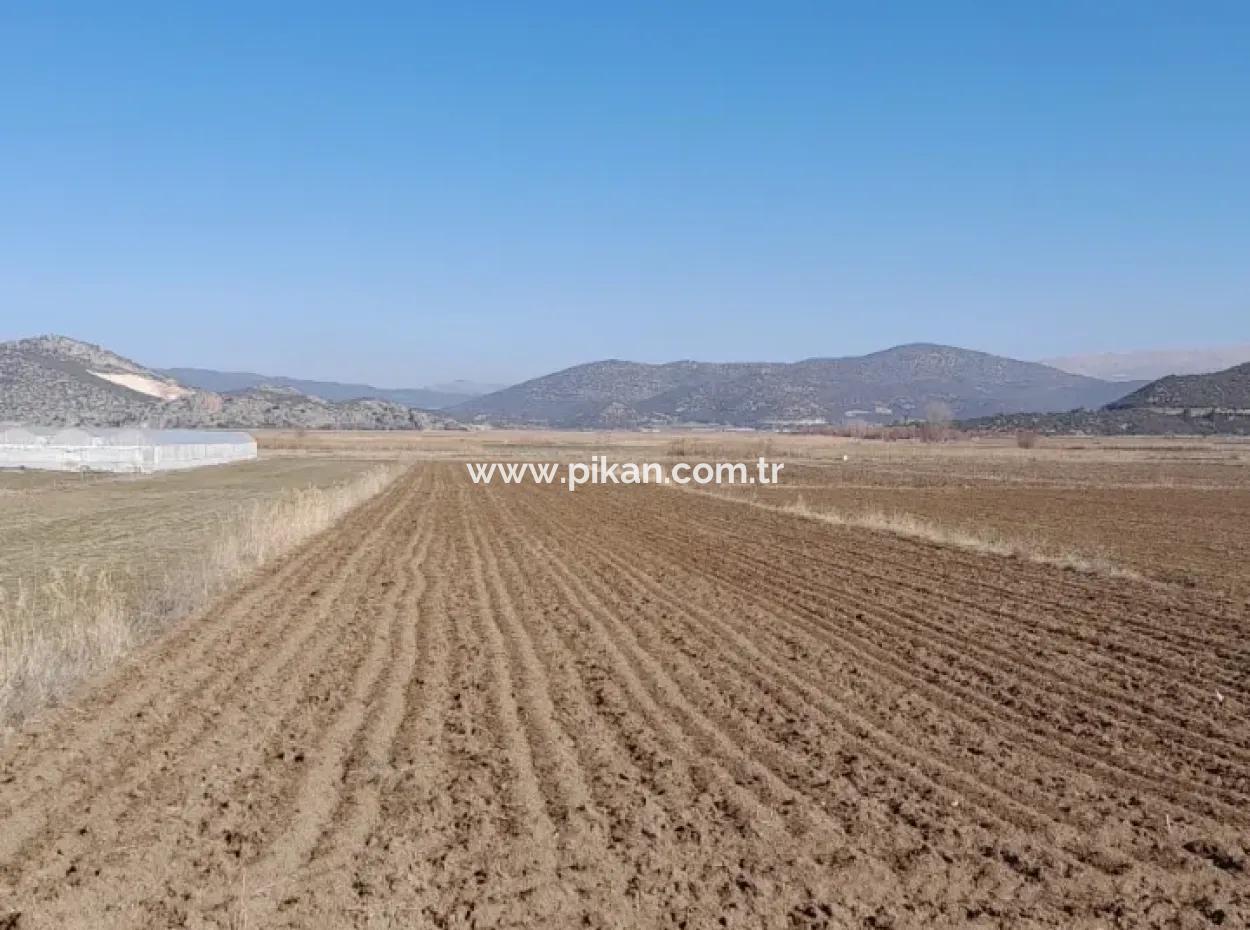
56,381
273,407
904,383
1225,391
610,393
1177,405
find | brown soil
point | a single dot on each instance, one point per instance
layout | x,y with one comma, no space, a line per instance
471,706
1181,525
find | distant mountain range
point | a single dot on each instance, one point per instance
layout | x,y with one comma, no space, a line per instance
54,380
907,382
1152,364
431,398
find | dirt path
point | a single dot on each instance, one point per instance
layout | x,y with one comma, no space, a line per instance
493,707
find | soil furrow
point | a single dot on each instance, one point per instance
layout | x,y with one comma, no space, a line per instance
156,736
1217,620
1056,808
945,592
360,734
873,621
849,727
201,653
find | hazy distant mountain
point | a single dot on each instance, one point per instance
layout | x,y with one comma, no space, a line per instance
897,384
434,398
467,388
57,381
1152,364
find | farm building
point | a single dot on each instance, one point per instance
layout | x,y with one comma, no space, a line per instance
120,450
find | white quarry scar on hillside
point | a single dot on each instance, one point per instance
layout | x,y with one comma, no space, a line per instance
144,385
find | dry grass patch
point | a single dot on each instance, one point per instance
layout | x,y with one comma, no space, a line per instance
986,542
726,447
63,627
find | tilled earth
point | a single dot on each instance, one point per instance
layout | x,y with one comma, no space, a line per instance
1183,528
476,706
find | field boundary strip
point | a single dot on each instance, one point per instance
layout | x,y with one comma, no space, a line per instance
67,627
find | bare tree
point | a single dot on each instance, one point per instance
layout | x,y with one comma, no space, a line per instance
937,421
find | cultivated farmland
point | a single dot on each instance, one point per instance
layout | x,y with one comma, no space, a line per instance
638,707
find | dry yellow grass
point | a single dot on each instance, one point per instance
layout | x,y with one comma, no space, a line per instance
985,542
140,527
65,626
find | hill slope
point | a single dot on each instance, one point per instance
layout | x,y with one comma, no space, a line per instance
897,384
1186,405
1224,391
608,393
272,407
207,379
57,381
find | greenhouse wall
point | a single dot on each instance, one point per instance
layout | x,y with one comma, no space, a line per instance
121,450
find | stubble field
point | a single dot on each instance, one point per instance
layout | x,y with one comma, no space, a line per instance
99,522
633,707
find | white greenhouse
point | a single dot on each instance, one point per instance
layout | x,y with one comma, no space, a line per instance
120,450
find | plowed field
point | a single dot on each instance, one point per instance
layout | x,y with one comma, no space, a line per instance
473,706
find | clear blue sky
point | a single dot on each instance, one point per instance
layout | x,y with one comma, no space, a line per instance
413,192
